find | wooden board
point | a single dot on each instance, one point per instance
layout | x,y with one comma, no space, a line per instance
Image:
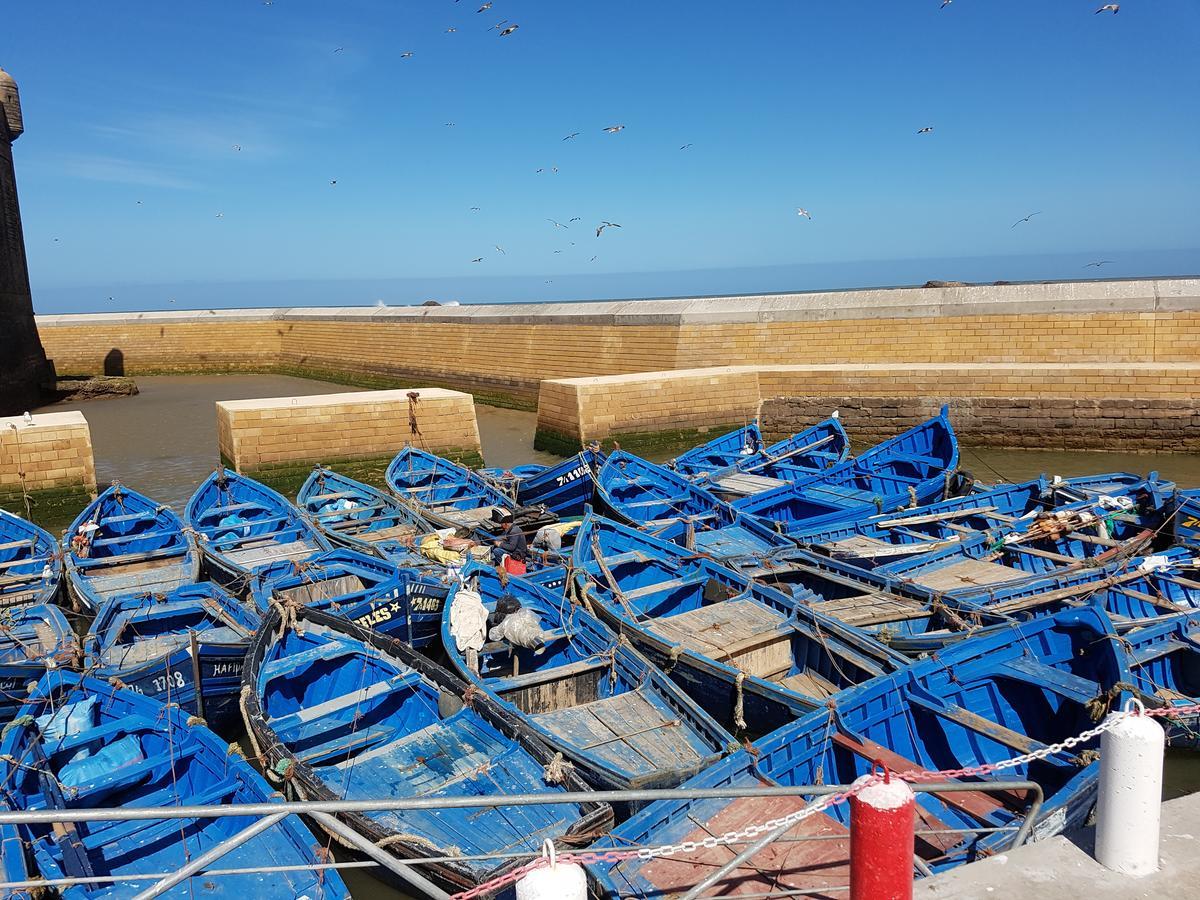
873,609
744,633
322,589
747,484
788,864
872,548
627,731
967,573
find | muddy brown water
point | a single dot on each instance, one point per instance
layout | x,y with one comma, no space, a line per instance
163,443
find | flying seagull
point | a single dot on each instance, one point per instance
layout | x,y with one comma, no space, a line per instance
801,211
604,225
572,135
407,54
220,215
237,147
499,24
613,129
945,3
685,146
573,219
170,299
451,30
474,209
449,124
112,299
501,249
1026,219
477,259
509,30
593,259
557,224
333,182
928,129
338,49
1098,263
1114,8
485,7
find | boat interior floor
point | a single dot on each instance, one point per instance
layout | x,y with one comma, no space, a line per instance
967,573
634,732
740,632
269,552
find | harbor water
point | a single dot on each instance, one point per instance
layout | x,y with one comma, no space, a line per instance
163,442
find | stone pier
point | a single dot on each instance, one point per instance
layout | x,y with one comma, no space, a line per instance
51,455
281,433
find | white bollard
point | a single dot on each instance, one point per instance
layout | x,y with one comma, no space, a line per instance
557,881
1130,801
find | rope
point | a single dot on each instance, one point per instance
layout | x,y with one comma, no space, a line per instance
739,719
558,770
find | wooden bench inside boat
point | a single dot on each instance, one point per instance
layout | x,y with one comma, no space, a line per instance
626,731
554,688
744,633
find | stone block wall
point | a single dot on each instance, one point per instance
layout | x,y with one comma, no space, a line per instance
54,453
257,434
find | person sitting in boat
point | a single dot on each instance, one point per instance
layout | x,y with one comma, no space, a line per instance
510,544
547,543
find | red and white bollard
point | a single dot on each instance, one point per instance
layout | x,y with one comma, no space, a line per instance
882,841
1129,802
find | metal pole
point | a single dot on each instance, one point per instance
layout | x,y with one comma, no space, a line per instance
205,859
407,874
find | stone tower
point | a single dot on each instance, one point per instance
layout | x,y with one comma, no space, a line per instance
23,365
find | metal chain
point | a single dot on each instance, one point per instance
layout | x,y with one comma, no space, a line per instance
788,821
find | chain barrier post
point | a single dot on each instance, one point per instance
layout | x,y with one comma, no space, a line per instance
1130,800
882,841
556,881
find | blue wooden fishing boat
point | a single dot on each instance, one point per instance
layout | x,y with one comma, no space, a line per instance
356,515
80,742
984,701
348,713
1164,662
729,537
374,593
565,489
752,656
880,539
909,470
244,525
34,637
508,480
185,647
124,542
722,452
1187,518
804,455
30,565
451,496
1031,550
14,863
640,493
616,718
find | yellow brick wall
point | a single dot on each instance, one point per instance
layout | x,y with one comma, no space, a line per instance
162,346
54,452
256,433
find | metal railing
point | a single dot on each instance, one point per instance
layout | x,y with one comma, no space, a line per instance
324,814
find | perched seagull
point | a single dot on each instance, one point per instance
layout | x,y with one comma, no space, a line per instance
1026,219
501,249
1098,263
556,224
28,417
604,225
407,54
237,147
477,259
572,135
801,211
613,129
928,129
509,30
485,7
1107,7
685,147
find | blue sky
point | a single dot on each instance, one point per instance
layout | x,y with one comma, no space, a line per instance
1036,105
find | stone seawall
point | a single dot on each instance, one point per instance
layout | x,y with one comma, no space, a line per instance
507,350
52,454
1016,422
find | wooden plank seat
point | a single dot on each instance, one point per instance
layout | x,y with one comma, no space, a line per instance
270,551
1029,670
1014,740
216,512
918,459
297,661
543,676
744,633
126,538
285,724
13,545
873,609
118,838
1157,651
966,573
658,501
673,585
